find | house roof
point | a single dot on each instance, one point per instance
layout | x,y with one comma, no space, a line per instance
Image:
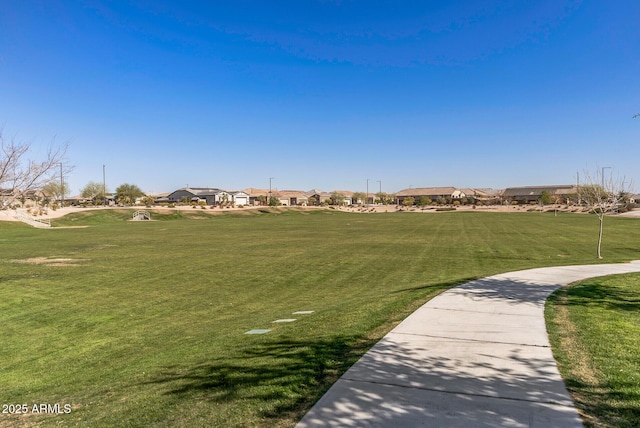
427,191
346,193
253,192
561,189
482,193
291,194
204,191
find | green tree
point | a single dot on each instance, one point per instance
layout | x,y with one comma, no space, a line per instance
423,201
337,198
384,198
94,191
545,198
358,198
273,201
128,193
148,201
409,201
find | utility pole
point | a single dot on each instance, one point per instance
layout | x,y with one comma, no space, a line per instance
269,201
61,187
104,186
367,200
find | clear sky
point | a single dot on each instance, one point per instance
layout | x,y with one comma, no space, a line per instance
325,94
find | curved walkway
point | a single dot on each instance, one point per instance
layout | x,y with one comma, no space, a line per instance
477,355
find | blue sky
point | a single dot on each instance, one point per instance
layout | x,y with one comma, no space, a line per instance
325,94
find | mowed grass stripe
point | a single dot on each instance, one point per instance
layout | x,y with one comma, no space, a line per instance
148,329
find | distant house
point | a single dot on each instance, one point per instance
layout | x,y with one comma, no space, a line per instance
194,194
6,196
256,196
314,196
292,197
348,196
529,194
434,193
634,199
239,198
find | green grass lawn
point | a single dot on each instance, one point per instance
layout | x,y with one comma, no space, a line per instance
144,325
594,327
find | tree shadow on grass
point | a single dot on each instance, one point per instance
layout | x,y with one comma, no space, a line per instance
437,286
286,376
589,294
469,379
603,407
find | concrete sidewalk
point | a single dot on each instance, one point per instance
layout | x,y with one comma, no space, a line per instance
475,356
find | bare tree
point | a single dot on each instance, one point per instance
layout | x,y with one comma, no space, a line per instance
602,195
19,175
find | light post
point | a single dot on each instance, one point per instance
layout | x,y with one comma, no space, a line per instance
366,202
61,187
104,186
380,190
269,201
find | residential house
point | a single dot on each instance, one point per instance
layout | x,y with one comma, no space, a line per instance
292,197
193,194
239,197
348,196
531,194
436,194
257,196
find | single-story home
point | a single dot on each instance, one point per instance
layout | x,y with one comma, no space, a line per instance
529,194
292,197
196,194
239,198
257,196
446,194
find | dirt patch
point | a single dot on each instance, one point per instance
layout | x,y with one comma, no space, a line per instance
47,261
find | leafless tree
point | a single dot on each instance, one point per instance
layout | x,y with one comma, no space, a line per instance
19,174
602,194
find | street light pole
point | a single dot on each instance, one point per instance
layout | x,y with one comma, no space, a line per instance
603,168
61,187
269,201
104,186
367,200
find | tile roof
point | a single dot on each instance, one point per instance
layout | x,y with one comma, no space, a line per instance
426,191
